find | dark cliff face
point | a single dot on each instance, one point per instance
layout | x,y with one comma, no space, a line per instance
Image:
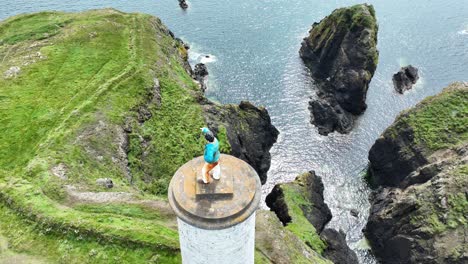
419,213
303,199
248,130
393,156
341,52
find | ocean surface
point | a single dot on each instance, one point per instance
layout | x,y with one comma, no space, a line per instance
253,55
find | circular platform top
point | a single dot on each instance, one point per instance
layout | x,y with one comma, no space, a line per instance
219,204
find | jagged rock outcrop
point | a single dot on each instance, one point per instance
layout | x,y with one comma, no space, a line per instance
248,130
341,52
404,79
328,116
300,206
419,213
337,250
200,73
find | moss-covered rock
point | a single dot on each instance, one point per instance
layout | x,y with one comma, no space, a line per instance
341,52
276,244
438,122
300,207
422,216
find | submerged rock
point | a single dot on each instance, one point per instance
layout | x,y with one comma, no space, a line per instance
300,206
405,78
354,212
419,213
247,129
341,52
183,4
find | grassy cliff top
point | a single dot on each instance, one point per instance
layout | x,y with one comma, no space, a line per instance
439,121
346,19
80,94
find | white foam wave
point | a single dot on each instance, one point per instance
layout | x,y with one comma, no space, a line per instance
208,58
196,57
463,32
203,58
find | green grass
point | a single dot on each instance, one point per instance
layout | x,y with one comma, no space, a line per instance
39,103
299,224
224,146
32,27
174,131
136,211
260,258
359,19
27,237
457,200
441,121
437,122
30,202
436,220
68,106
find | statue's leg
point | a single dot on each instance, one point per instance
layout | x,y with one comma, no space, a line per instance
216,171
205,173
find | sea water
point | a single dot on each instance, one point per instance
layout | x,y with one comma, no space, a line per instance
251,50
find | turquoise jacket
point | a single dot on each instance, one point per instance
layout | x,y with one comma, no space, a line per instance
212,151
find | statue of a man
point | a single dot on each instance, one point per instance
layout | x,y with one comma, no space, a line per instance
211,156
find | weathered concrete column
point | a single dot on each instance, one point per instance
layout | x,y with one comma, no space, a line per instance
216,221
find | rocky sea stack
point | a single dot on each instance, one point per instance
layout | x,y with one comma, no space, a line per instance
301,208
419,213
341,52
404,79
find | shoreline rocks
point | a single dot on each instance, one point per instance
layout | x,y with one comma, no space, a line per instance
420,164
337,250
404,79
341,53
301,203
200,73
